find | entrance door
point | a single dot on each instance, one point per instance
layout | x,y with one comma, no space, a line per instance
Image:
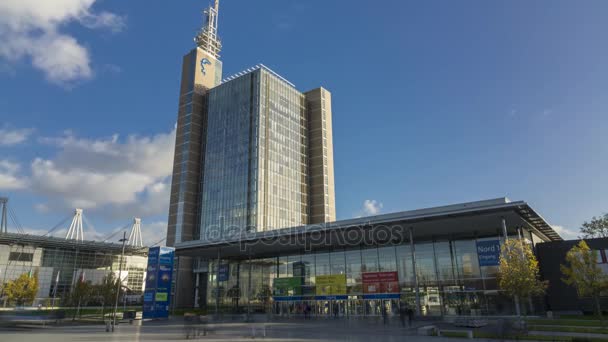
338,308
355,307
372,307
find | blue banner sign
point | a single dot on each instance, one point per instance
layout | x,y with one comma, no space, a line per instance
158,282
488,252
223,272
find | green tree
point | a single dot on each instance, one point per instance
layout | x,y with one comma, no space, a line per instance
107,291
518,272
596,228
583,272
81,294
23,289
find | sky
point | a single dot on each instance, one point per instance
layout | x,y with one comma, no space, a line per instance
434,102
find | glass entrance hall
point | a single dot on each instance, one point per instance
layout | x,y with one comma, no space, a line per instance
361,282
439,261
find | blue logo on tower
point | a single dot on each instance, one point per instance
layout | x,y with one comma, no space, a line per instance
203,62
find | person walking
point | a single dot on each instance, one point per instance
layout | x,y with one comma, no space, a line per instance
402,313
384,314
410,313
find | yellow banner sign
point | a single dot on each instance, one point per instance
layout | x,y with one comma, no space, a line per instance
334,284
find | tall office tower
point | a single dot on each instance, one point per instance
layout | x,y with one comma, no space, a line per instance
252,152
201,70
269,159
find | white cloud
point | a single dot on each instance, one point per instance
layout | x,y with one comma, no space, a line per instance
9,178
104,20
30,30
154,232
119,178
42,208
112,178
565,233
370,207
9,137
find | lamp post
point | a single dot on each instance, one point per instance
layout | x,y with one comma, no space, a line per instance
123,240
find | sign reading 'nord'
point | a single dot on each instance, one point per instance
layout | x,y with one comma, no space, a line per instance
488,252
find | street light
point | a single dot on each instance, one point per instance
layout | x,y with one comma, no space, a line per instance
123,240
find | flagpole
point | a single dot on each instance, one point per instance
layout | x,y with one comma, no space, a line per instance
55,290
80,281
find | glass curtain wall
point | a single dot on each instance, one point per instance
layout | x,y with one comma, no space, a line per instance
282,141
229,176
255,171
450,282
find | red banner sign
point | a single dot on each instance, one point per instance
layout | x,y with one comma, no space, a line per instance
380,282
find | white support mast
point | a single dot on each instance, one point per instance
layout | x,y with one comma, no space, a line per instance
135,238
3,220
75,232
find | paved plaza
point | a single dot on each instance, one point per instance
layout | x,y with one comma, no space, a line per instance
326,330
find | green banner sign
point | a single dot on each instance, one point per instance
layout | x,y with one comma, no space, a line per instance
288,286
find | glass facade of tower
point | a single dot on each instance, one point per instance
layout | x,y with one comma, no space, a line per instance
283,141
229,173
255,171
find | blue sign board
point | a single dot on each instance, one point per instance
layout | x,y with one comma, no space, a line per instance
382,296
158,282
488,252
223,272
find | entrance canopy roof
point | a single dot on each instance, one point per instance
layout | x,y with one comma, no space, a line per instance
458,221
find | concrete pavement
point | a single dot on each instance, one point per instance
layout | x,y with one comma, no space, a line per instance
322,330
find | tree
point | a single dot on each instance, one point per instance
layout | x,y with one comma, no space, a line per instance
596,228
583,272
107,291
234,293
518,272
81,294
264,296
23,289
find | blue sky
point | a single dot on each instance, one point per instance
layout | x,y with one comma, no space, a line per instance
434,102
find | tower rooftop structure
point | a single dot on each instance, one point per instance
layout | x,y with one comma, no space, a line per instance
207,38
256,67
